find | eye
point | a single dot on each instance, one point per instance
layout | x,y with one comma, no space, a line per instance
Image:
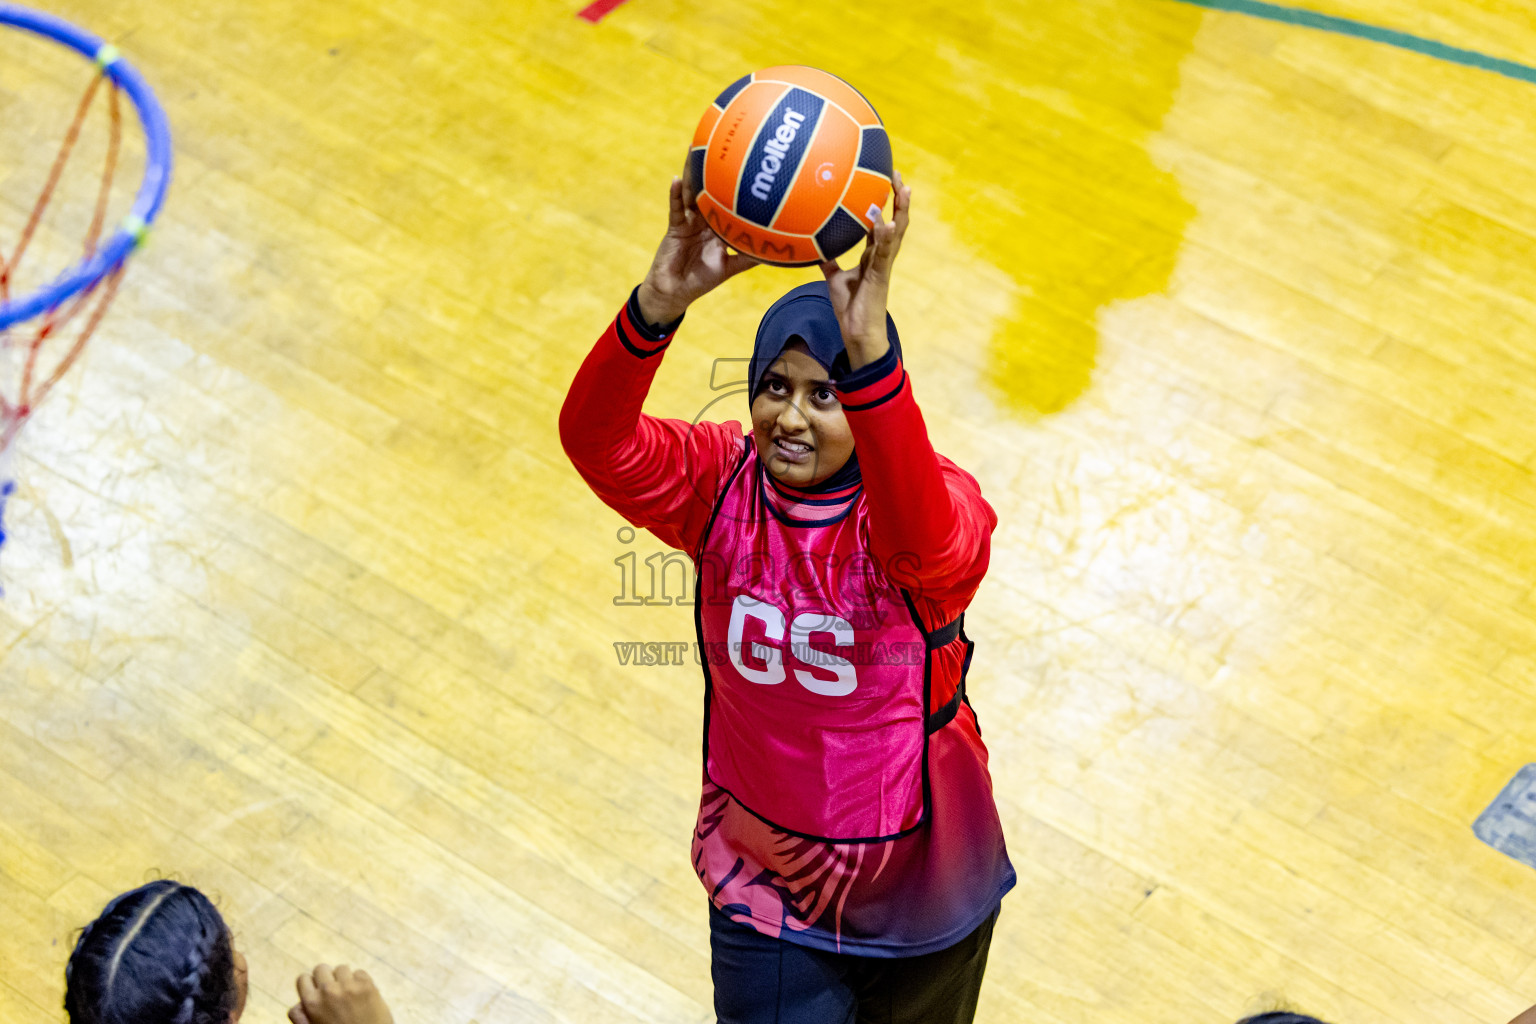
777,386
826,396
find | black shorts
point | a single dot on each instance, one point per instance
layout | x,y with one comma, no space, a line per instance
759,980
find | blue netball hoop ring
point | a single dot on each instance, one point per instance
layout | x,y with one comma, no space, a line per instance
130,232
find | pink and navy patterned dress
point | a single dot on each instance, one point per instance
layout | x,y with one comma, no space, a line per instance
846,803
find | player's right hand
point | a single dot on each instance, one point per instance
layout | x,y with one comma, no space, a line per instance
690,261
339,996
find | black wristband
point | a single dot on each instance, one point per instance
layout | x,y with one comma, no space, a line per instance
648,330
869,372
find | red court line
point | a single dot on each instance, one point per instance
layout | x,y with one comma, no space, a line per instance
595,11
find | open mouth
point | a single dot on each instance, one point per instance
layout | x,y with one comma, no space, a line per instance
792,451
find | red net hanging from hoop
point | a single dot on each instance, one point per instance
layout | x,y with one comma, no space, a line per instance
37,352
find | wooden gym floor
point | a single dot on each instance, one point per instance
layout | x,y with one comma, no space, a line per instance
1232,319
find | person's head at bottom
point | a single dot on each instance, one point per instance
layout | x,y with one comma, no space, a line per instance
162,953
1286,1017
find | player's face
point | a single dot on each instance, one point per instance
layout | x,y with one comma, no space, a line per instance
802,435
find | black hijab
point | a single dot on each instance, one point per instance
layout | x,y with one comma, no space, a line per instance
805,314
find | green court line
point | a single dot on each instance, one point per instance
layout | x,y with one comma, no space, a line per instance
1360,30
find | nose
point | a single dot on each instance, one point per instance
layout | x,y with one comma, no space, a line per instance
791,419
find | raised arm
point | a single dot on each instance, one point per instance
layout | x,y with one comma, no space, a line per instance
658,474
929,524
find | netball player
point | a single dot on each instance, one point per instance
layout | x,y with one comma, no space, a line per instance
847,836
162,953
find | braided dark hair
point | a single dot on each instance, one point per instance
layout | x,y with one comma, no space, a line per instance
1281,1017
158,954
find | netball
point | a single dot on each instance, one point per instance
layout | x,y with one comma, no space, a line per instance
791,165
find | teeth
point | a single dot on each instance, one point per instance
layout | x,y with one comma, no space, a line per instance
794,446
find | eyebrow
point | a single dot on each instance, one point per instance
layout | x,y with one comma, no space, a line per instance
783,377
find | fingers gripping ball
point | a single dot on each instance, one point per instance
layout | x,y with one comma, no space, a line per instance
791,164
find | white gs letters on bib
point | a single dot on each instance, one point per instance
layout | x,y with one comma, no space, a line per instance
805,624
800,632
772,619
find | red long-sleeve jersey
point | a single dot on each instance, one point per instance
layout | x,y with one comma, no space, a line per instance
926,525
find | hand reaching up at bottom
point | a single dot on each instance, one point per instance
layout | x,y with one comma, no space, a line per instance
338,996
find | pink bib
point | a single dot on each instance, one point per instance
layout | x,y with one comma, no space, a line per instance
817,674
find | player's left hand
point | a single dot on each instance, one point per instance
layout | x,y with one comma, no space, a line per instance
859,294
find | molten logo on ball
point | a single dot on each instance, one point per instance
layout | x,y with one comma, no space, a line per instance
777,148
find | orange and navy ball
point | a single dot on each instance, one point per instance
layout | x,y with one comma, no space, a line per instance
794,163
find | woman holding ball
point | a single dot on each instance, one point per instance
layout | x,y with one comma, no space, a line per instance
847,836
